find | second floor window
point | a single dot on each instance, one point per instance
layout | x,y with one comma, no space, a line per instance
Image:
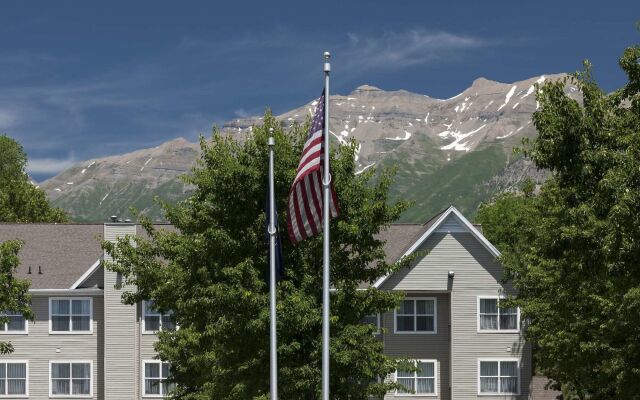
154,320
492,317
16,323
416,316
13,378
70,315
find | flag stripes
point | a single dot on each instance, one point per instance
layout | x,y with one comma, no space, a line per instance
304,216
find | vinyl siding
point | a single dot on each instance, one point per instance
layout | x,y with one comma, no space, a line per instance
423,346
476,273
39,347
121,350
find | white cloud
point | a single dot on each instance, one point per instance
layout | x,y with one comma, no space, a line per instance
403,49
49,165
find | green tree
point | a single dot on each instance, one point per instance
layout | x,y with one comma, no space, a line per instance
573,250
14,293
20,200
211,273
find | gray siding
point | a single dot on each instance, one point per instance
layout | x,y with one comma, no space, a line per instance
423,346
95,280
121,345
40,347
476,273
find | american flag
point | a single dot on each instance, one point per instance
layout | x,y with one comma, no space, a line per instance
304,216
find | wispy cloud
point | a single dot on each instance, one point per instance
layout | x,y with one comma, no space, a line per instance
49,165
394,50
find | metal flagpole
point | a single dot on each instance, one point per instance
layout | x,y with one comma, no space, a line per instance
272,275
326,181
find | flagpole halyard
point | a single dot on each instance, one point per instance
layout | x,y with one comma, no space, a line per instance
272,276
325,214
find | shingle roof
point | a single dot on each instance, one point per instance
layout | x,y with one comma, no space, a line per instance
63,251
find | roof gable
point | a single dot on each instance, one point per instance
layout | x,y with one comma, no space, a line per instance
449,221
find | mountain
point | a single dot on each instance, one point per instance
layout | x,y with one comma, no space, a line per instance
454,151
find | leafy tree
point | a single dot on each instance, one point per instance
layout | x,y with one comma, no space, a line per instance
14,293
573,251
20,200
210,273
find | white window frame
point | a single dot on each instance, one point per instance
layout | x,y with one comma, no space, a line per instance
499,298
17,396
144,379
499,360
70,331
415,325
435,381
8,332
378,330
72,396
144,325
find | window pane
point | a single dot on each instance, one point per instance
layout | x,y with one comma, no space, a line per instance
81,323
60,371
508,321
59,323
60,307
488,368
16,323
81,370
81,307
167,387
148,307
508,385
60,386
489,385
425,324
406,307
405,324
152,323
405,374
16,386
152,370
17,370
424,307
166,369
426,370
426,385
371,319
2,386
81,386
408,384
489,306
3,371
152,386
489,322
508,368
167,323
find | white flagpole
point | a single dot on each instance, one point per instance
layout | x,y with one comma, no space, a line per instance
272,275
325,213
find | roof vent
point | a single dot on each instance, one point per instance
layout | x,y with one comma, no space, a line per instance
39,269
114,218
127,220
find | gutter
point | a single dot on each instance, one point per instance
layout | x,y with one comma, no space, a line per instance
55,292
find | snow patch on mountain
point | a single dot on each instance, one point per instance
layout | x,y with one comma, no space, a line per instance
459,137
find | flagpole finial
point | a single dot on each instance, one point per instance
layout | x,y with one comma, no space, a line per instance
272,141
327,55
327,64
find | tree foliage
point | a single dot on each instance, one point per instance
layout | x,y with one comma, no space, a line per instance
20,200
573,250
14,293
211,273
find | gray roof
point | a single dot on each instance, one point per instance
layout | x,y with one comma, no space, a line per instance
63,252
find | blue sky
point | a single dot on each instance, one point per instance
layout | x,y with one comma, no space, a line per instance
87,79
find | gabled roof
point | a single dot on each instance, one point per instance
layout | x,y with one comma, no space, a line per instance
62,252
397,247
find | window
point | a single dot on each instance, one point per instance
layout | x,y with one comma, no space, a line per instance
372,319
13,378
422,381
493,318
71,378
70,315
16,323
416,316
155,379
154,320
498,376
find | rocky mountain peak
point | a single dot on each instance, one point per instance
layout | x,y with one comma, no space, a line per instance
366,88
